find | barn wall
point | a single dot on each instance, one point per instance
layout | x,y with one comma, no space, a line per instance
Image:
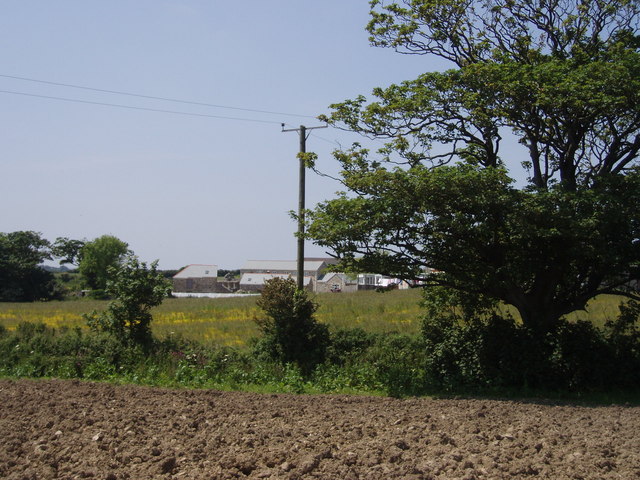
202,285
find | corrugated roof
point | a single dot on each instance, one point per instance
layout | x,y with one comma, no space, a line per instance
260,278
197,271
282,265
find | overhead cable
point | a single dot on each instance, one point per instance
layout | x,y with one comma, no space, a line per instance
151,97
131,107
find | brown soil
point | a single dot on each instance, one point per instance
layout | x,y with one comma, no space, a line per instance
68,430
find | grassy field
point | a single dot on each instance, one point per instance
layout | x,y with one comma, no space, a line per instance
229,321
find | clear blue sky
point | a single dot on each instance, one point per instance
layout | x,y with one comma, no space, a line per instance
181,189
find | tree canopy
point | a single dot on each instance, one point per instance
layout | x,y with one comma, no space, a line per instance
68,250
97,256
563,77
21,277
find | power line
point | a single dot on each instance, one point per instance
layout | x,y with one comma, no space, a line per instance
131,107
165,99
332,142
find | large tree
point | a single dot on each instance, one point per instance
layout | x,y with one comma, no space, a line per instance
67,250
21,276
563,77
98,256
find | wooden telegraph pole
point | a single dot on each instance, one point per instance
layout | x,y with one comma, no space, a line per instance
302,130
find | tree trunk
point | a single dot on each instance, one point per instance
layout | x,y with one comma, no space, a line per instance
537,316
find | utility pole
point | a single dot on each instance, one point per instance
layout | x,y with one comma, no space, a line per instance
302,130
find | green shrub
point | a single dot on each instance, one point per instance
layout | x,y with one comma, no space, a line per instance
398,362
623,337
135,288
359,376
495,352
581,358
291,333
100,369
348,343
27,330
35,350
454,354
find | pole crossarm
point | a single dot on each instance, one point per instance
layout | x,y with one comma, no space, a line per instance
301,127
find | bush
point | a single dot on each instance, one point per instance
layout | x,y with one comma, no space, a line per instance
487,354
355,376
498,353
623,338
347,344
398,362
136,288
451,353
580,357
291,333
36,350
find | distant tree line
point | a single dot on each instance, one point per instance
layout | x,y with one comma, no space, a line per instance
23,277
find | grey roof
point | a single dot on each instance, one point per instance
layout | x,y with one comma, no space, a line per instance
282,265
197,271
345,278
260,278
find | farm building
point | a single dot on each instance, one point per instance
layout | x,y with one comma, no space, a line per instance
201,279
337,282
253,282
255,272
316,277
372,281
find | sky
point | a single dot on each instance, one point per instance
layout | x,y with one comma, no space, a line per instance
213,187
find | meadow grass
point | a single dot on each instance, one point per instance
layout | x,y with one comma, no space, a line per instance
230,321
600,310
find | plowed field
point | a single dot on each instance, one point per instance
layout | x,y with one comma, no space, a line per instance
69,430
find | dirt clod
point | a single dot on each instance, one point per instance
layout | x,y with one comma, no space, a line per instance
168,465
